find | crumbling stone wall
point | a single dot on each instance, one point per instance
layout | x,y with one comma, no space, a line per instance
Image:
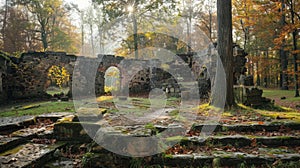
29,78
3,71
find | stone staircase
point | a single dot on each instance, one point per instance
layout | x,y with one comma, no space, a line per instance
28,141
43,141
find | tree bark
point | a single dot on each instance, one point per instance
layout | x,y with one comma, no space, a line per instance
295,55
283,56
225,45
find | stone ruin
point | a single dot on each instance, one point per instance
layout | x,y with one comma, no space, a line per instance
52,143
26,77
4,61
245,91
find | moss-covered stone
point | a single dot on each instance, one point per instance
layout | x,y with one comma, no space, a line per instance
75,131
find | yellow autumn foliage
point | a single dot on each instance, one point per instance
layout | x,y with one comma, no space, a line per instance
59,75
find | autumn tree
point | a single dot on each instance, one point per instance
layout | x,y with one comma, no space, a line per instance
208,20
270,31
59,75
44,11
49,19
136,10
14,31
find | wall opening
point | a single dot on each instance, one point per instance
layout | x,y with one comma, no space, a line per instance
112,80
58,79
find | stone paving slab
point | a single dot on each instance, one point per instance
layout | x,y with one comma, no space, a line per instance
16,123
226,159
14,120
267,127
209,159
19,137
7,143
28,155
10,124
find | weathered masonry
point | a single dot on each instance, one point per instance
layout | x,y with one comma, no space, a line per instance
27,76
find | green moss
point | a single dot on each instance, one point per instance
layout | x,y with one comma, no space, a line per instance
5,56
292,115
216,162
225,129
284,137
240,156
12,151
136,162
174,113
176,138
87,157
168,156
150,126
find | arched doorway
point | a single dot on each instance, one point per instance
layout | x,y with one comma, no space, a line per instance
112,80
58,79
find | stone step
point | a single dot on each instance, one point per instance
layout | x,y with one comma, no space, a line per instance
239,141
267,127
21,136
214,158
11,124
7,143
219,159
54,116
29,155
75,131
25,129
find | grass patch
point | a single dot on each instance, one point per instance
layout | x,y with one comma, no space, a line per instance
277,94
38,108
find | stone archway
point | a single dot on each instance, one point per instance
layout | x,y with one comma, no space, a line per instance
58,80
31,76
112,79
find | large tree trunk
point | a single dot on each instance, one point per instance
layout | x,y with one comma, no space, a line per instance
283,56
295,55
295,59
225,49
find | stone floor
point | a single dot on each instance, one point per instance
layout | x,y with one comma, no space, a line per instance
60,140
